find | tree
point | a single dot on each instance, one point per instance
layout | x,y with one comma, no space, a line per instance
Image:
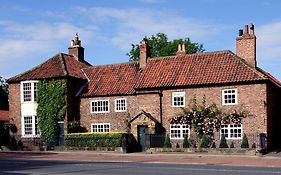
223,143
185,142
245,143
167,142
160,46
3,94
204,142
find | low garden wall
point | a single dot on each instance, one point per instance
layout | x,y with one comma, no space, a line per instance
234,151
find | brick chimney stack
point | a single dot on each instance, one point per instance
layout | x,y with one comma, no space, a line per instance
181,50
76,50
144,53
246,45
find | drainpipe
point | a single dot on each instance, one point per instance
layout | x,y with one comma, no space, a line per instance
161,106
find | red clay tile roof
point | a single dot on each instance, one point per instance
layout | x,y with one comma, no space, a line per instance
4,115
197,69
174,71
61,65
111,79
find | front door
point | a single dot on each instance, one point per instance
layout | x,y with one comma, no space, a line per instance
142,130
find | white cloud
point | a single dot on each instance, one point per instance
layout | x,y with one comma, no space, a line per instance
22,42
269,41
130,25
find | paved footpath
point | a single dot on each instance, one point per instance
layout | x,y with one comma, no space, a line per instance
177,158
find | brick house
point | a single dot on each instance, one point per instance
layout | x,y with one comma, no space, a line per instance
141,97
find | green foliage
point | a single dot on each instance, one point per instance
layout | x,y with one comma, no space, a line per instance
245,143
204,142
167,142
74,127
4,104
186,142
160,46
107,139
223,143
51,108
204,119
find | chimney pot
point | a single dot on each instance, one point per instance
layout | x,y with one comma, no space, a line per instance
181,49
246,30
240,32
252,29
75,48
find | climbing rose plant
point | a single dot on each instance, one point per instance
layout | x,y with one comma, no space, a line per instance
205,119
51,108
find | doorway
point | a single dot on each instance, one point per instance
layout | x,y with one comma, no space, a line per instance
142,130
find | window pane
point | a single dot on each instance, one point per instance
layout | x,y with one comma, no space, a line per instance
229,96
26,91
28,125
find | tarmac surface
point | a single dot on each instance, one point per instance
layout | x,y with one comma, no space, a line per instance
270,160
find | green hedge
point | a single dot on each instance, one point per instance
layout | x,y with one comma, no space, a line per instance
107,139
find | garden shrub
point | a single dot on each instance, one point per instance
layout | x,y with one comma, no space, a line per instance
185,142
232,145
204,142
223,143
167,142
245,143
106,139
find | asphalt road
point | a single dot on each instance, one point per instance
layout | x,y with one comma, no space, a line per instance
40,167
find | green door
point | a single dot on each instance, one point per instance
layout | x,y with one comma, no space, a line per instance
142,130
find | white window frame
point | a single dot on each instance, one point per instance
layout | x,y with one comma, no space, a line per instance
96,112
178,94
116,105
181,128
33,127
228,128
224,92
100,124
32,82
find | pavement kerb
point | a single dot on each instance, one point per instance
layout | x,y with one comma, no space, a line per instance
142,154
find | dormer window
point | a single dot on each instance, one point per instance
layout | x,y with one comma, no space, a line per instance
29,91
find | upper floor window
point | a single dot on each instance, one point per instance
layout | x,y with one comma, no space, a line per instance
100,127
232,131
120,105
178,99
179,131
229,97
30,126
29,91
100,106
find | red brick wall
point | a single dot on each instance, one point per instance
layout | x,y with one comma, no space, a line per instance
251,97
135,104
15,106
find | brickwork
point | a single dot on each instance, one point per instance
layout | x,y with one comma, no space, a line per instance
251,98
15,106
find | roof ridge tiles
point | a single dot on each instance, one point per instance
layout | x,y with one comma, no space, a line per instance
64,68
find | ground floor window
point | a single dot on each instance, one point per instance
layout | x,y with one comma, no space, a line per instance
30,126
100,127
179,131
231,131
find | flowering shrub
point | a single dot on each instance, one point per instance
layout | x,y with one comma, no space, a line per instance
205,119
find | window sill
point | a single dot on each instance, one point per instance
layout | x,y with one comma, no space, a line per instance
30,136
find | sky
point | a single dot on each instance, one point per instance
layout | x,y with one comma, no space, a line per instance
33,31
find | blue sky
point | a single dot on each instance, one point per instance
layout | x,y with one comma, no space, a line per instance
32,31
